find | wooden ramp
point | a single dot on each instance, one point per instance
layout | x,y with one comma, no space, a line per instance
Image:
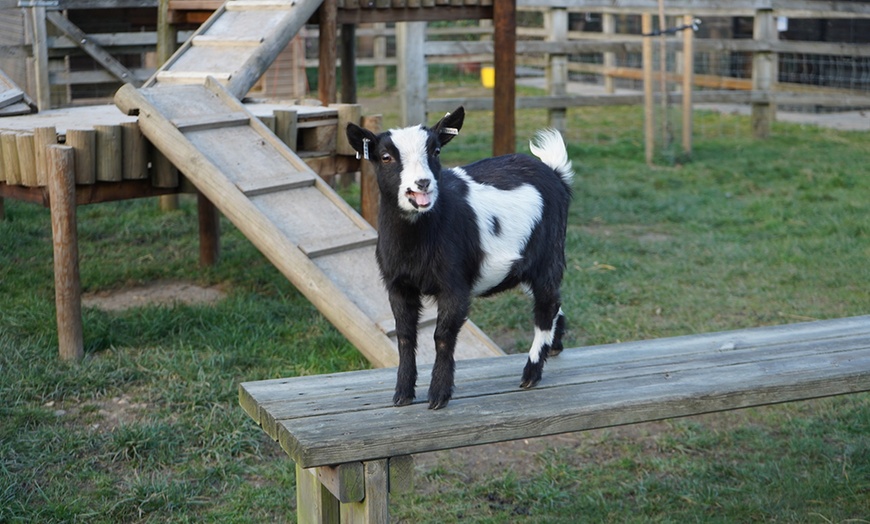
191,112
13,100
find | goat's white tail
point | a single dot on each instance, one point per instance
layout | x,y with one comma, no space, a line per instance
550,148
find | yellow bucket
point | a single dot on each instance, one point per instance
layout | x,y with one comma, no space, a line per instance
487,76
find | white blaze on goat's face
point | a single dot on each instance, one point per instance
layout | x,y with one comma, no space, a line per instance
418,188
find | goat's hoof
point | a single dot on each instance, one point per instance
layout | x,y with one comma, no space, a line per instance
438,400
532,375
529,384
402,400
438,403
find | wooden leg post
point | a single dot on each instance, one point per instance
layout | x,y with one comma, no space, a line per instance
370,195
68,288
355,493
209,231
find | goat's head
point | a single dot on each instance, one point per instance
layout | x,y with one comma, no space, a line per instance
407,160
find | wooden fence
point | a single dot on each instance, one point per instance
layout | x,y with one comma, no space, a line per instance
549,44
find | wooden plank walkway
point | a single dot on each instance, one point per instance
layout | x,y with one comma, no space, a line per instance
348,417
190,110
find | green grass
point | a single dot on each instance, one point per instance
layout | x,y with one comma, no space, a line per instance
147,428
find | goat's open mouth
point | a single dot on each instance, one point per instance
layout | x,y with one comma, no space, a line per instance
419,200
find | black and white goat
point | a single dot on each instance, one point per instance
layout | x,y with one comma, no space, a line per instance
468,231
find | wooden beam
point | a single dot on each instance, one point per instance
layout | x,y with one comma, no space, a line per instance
411,14
764,72
505,39
688,74
40,58
326,86
369,193
99,54
412,72
68,287
348,63
209,231
648,114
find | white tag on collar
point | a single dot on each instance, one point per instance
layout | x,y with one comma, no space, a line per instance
365,153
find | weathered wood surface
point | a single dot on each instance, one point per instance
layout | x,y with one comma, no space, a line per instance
243,38
346,417
109,145
302,226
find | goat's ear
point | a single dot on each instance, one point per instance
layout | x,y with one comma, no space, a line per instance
449,126
361,140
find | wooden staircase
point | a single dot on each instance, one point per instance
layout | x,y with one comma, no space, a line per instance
190,110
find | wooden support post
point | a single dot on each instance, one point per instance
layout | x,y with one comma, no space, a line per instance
287,127
167,43
352,493
209,231
663,78
375,507
84,142
556,21
688,77
380,51
348,63
68,289
504,93
165,175
43,136
109,147
326,87
646,22
26,159
134,152
608,27
315,504
346,113
11,168
764,72
412,72
370,195
167,33
40,59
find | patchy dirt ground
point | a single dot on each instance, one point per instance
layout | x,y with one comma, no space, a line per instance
157,293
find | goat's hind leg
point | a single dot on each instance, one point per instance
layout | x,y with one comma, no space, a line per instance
549,328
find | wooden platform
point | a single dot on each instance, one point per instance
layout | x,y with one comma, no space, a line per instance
115,161
348,417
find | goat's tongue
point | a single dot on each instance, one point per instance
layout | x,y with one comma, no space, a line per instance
422,199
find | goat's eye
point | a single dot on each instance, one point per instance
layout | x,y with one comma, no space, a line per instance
386,158
437,151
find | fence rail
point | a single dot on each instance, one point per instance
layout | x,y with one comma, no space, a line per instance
754,70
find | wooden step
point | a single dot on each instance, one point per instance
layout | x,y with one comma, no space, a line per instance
191,77
339,243
211,121
10,97
263,186
225,41
259,5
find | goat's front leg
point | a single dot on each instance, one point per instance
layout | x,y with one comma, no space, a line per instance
452,313
406,305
